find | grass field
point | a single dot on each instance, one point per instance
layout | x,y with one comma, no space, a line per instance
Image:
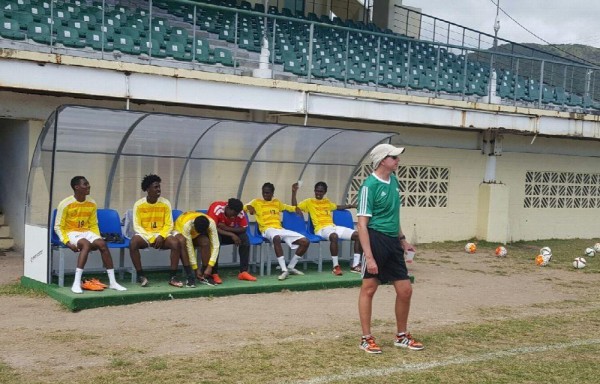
549,342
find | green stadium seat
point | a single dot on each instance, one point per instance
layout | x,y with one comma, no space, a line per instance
201,52
134,33
548,94
39,32
80,26
23,18
69,37
177,51
11,29
561,96
151,47
125,44
223,56
97,41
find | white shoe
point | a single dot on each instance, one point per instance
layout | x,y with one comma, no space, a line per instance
76,289
283,275
294,271
117,287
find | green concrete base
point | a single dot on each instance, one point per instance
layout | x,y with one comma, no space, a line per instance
159,289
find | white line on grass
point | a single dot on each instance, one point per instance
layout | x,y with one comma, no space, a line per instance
443,363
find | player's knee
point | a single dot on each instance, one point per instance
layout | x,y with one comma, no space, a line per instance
303,242
333,237
203,241
277,240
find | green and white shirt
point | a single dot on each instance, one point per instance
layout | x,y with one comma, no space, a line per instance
380,200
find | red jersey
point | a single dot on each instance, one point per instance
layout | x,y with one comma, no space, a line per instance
216,211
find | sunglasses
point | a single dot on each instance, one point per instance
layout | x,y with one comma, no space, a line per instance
393,157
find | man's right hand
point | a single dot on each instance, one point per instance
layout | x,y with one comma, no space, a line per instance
236,240
72,247
251,210
371,266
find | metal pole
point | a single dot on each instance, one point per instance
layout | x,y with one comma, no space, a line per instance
541,84
310,49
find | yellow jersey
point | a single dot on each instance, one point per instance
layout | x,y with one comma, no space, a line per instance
185,225
268,213
151,219
75,216
321,211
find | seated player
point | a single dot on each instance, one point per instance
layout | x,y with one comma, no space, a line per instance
76,225
231,225
267,211
320,210
153,224
195,229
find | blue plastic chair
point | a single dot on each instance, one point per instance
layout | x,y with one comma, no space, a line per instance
296,223
256,241
343,218
176,213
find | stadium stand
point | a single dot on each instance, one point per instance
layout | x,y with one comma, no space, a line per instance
225,34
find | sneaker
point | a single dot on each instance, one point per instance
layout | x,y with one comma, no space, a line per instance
175,283
207,280
368,345
406,341
356,269
89,286
284,275
337,270
143,281
76,289
217,278
117,287
98,282
191,282
294,271
246,276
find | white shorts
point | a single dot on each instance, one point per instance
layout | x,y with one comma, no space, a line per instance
287,236
74,237
342,232
151,238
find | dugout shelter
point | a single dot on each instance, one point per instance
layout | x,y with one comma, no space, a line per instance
200,160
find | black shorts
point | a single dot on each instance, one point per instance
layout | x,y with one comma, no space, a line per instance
389,256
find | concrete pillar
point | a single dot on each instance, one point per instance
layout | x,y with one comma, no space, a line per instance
492,213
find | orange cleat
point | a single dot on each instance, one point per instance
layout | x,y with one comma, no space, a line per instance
246,276
337,270
217,278
98,282
90,286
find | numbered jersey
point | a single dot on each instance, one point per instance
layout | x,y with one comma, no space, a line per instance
76,216
151,219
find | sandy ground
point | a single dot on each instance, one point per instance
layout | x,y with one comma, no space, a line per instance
450,288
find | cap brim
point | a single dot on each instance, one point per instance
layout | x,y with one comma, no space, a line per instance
397,151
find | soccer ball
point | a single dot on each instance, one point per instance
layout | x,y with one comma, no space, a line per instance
579,263
501,251
470,248
545,250
597,247
542,260
590,252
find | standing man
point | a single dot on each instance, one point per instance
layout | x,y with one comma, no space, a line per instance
320,210
231,225
76,224
268,216
153,224
383,244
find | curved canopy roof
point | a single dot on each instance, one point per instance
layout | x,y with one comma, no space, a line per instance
200,160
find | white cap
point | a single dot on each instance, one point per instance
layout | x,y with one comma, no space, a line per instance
381,151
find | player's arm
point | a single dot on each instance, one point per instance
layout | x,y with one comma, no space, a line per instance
189,244
346,206
168,220
295,187
137,222
250,208
403,242
214,244
93,222
365,243
60,225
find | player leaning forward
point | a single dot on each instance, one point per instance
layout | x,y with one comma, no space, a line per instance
383,244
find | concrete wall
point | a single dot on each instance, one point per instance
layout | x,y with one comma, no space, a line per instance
17,143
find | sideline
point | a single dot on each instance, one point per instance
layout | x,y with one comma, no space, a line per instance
443,363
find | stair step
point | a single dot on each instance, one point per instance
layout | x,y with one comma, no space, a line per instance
6,243
4,231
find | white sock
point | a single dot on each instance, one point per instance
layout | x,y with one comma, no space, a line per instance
335,261
281,261
111,276
356,259
294,261
77,278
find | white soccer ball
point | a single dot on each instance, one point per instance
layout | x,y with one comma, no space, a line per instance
597,247
579,263
470,248
542,260
590,252
545,250
501,251
546,253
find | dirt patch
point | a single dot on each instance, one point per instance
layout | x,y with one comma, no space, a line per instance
450,288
